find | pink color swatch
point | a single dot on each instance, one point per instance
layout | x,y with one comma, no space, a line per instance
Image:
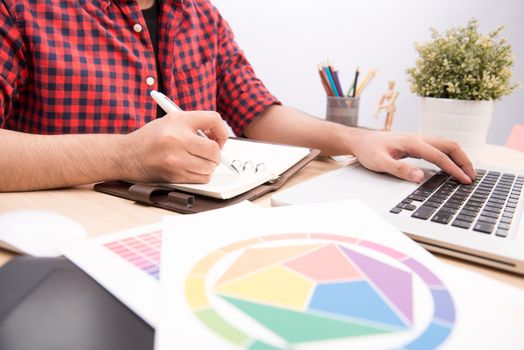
334,266
143,251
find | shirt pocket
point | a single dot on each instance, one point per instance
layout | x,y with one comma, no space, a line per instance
196,88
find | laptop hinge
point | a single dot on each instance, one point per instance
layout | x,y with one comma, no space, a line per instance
468,256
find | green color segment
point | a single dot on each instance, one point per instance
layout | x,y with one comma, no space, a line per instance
297,327
220,326
258,345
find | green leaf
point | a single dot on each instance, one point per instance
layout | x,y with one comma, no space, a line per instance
463,64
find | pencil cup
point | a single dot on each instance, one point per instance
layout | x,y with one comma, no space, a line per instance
342,110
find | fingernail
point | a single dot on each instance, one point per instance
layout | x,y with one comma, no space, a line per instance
417,175
468,179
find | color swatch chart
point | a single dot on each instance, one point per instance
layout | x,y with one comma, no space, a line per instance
318,291
142,251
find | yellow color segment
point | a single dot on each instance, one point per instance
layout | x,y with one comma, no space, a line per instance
195,292
276,286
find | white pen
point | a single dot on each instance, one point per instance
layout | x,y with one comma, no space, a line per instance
164,102
169,106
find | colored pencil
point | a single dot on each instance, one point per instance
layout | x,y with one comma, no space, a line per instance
331,81
337,81
323,79
350,90
355,82
371,74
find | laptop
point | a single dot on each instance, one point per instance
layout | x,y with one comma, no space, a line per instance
49,303
480,222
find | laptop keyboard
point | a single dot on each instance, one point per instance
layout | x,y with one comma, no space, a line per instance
487,205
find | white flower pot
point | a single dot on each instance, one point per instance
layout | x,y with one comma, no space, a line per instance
465,122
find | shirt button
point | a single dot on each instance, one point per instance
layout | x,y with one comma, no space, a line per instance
137,28
150,81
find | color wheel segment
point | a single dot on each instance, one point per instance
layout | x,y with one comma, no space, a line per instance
318,292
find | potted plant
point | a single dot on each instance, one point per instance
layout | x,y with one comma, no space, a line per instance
458,75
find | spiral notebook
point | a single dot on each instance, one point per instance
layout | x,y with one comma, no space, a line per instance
256,162
262,167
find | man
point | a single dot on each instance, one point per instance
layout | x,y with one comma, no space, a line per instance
75,79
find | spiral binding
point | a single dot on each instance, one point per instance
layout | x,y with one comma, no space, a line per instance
248,166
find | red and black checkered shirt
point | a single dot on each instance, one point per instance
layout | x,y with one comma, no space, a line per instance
87,66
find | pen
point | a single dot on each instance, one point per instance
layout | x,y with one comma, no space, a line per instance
169,106
164,102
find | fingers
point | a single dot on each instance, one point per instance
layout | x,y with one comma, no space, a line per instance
380,151
201,147
434,155
403,170
203,154
189,177
170,150
186,168
455,152
197,171
211,124
194,178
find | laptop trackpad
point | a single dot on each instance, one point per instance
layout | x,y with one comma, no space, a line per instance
375,189
352,182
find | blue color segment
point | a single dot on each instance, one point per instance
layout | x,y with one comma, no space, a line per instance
356,300
433,336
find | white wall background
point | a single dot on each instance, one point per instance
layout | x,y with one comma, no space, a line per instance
286,39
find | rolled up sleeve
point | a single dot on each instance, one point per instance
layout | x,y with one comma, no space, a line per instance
241,96
13,65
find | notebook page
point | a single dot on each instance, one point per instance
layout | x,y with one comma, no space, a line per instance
260,162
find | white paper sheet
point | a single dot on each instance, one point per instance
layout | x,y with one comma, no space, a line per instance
325,276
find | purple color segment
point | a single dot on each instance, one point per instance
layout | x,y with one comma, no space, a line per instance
395,284
444,307
423,272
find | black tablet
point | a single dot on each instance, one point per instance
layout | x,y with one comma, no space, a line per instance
49,303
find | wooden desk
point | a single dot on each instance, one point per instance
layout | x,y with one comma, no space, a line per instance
100,213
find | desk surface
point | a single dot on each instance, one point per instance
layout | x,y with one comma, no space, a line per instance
101,214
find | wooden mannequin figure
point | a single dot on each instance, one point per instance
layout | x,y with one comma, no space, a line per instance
387,102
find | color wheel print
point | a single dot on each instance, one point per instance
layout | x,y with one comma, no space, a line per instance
298,290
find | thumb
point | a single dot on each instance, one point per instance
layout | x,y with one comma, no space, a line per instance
403,170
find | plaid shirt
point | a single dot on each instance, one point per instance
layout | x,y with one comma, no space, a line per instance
87,66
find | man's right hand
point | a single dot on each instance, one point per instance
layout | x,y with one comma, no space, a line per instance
164,150
169,149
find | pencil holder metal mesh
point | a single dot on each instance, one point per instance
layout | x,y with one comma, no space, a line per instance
342,110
